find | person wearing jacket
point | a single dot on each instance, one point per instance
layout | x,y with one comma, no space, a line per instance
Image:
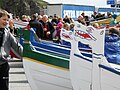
112,46
34,23
7,42
48,28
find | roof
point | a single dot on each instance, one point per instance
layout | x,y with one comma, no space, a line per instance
80,2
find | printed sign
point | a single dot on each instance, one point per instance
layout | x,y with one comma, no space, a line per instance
111,2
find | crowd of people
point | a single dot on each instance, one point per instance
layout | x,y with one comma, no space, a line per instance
49,27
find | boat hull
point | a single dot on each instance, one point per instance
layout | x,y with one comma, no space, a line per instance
43,76
81,74
109,77
93,73
46,71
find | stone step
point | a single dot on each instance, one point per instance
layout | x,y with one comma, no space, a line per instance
18,80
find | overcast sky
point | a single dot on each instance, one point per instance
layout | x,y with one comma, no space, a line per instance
97,3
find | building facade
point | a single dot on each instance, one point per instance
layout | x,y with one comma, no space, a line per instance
74,9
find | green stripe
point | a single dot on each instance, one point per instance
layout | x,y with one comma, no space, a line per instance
46,58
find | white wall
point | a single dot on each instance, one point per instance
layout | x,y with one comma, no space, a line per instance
96,3
54,9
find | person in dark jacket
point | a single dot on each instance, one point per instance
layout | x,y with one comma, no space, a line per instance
112,46
81,20
7,42
48,28
37,25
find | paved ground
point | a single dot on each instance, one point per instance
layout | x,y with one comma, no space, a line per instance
18,79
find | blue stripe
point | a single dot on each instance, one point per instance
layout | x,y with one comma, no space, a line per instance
78,7
117,68
48,45
87,54
52,48
106,9
83,57
52,52
98,54
109,69
32,39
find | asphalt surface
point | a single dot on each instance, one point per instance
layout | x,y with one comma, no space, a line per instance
18,80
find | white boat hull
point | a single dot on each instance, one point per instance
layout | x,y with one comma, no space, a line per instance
95,73
43,76
110,79
81,74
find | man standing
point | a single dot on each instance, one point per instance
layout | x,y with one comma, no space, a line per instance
48,28
34,23
7,42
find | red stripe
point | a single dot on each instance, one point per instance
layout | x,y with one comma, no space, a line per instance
13,55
